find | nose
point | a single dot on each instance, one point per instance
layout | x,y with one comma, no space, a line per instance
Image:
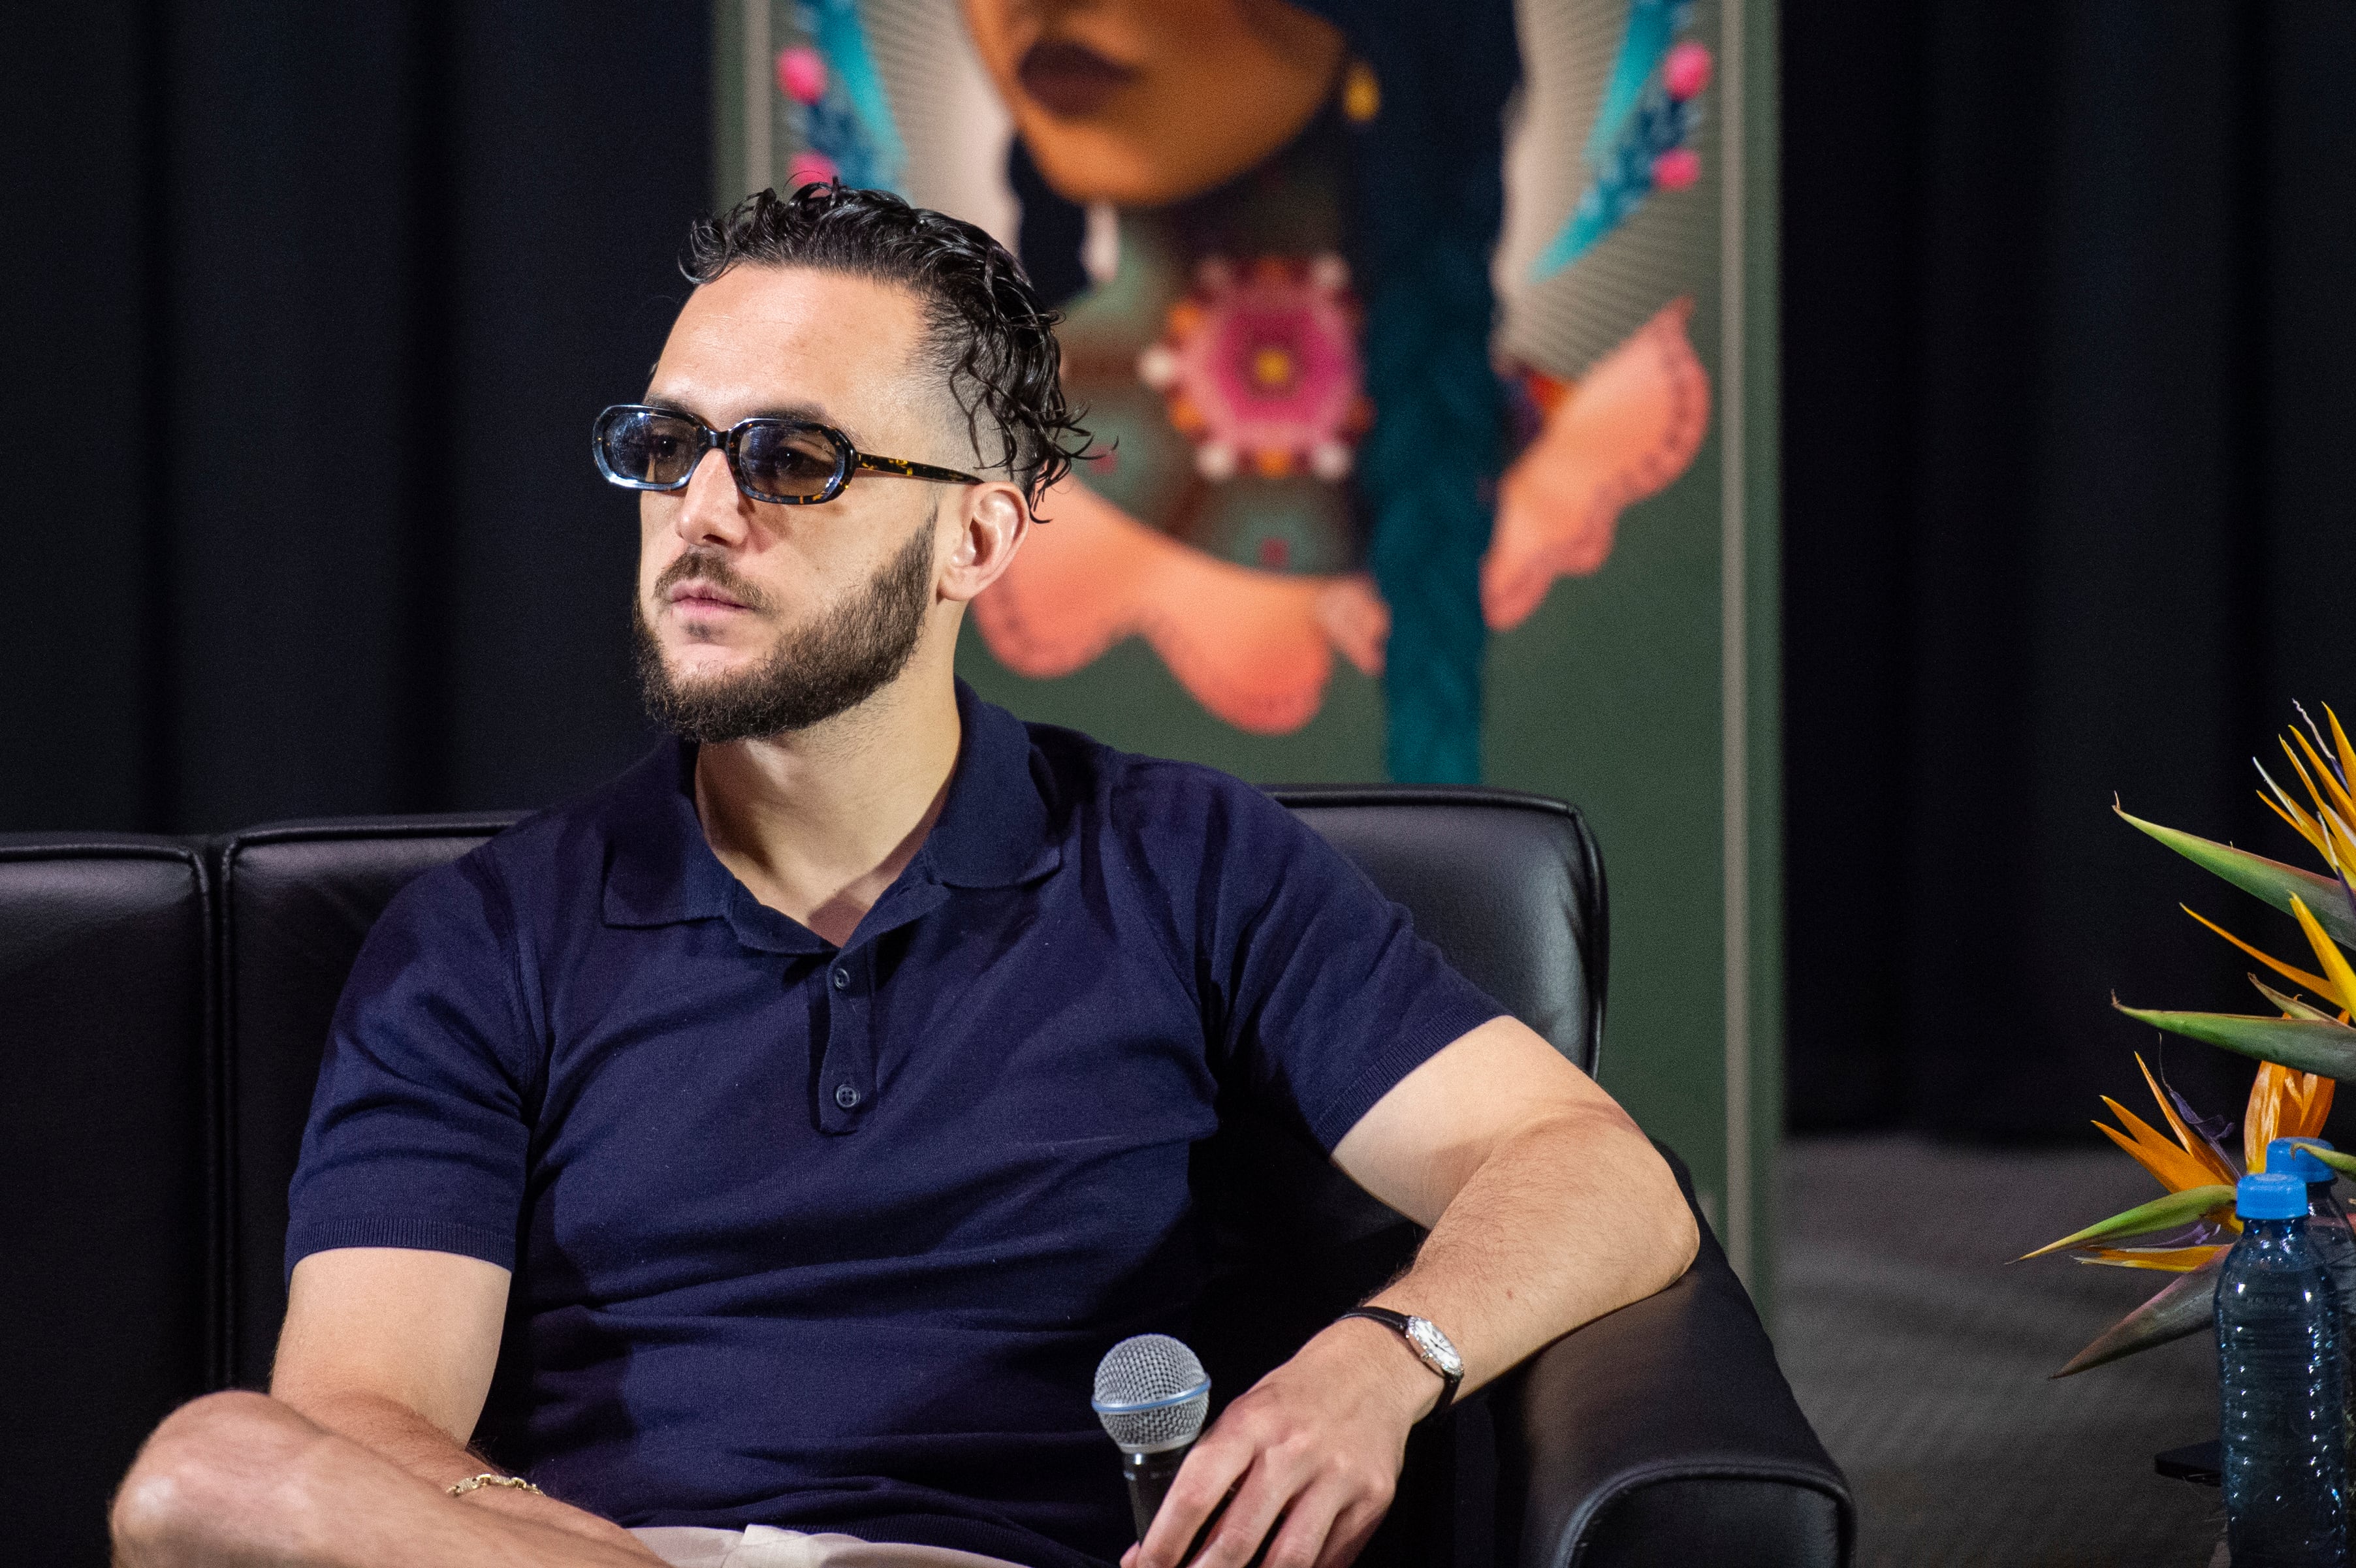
711,509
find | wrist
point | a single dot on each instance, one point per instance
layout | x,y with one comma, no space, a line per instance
1426,1341
492,1480
503,1498
513,1502
1387,1366
537,1509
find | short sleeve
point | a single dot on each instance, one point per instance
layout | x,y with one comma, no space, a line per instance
1318,991
418,1134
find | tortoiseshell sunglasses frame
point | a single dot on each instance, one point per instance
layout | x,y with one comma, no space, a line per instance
849,461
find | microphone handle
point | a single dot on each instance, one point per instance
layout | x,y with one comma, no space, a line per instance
1149,1476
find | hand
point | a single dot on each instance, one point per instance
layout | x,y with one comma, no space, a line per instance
1312,1451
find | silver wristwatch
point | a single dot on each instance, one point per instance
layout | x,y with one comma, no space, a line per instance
1430,1346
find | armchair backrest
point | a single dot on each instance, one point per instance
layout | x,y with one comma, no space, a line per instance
161,1057
106,1224
298,898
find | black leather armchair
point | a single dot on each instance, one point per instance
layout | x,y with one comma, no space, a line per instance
163,1003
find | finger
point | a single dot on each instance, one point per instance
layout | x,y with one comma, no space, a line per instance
1353,1528
1307,1525
1202,1482
1261,1500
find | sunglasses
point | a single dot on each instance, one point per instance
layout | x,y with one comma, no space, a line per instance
792,463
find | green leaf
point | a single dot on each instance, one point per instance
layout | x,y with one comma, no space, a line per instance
2166,1213
2345,1164
2268,879
2186,1305
2291,1005
2303,1043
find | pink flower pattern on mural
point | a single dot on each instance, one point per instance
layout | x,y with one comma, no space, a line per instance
1259,366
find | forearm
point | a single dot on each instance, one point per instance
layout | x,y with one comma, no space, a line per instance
388,1427
398,1434
1561,1220
1547,1208
1566,1220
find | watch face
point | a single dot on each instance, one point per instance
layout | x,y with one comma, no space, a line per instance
1434,1344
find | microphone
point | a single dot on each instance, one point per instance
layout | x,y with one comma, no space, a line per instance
1152,1394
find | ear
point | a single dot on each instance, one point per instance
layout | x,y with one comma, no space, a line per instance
991,522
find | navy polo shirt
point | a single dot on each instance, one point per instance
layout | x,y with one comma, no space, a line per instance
832,1239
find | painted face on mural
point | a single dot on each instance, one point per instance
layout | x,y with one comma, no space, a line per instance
1140,102
753,619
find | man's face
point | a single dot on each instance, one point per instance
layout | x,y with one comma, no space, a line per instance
754,618
1145,102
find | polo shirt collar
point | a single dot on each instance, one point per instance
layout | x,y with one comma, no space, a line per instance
992,830
658,867
991,833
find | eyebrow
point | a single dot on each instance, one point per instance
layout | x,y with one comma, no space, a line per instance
809,413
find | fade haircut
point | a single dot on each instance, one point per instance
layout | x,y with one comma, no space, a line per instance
985,330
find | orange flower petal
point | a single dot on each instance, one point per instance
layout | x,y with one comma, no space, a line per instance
2312,1096
2170,1259
2336,796
2313,793
2264,1113
2339,739
2297,977
2175,1170
2198,1149
2327,952
2288,810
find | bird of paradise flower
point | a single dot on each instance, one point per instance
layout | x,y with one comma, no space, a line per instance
2302,1053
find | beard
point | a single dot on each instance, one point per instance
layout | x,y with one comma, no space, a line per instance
826,668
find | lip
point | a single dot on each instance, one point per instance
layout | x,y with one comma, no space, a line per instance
702,598
1070,79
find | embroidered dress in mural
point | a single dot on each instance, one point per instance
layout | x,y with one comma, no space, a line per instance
1273,229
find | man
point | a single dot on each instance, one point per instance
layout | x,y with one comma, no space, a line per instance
804,1112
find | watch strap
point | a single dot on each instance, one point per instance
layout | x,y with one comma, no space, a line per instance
1398,1323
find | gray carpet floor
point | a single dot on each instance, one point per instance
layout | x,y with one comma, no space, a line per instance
1921,1356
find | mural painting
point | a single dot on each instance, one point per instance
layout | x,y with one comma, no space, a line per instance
1411,338
1273,229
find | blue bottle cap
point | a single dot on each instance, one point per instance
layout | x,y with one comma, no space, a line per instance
2296,1157
2272,1196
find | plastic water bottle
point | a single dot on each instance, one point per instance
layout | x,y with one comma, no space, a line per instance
2328,1232
2281,1378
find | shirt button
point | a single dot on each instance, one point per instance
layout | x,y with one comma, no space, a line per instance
846,1096
841,978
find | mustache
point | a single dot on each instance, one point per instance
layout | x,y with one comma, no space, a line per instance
703,567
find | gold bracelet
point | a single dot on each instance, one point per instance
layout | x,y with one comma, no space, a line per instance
512,1483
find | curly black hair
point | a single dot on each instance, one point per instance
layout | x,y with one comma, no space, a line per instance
992,339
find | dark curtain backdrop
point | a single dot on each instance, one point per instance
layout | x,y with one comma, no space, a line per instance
307,310
2069,437
308,307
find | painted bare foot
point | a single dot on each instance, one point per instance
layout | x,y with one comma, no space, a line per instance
1631,424
1355,619
1255,647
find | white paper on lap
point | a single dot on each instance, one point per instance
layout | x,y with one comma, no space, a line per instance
765,1546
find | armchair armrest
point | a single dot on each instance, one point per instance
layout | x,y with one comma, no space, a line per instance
1665,1434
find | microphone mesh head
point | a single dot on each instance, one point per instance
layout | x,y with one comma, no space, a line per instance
1152,1394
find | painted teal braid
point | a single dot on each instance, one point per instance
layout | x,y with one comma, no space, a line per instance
1427,468
1429,201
